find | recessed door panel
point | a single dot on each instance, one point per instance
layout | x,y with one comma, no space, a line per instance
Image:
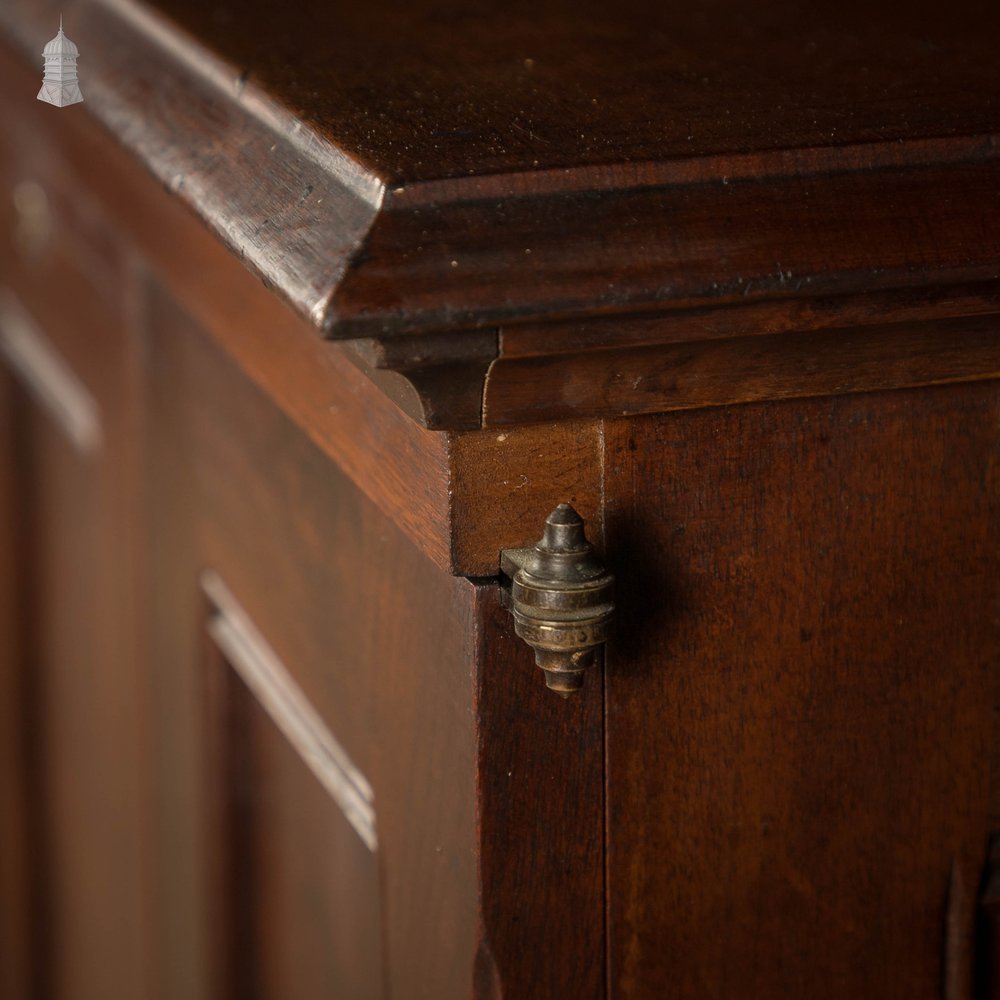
296,852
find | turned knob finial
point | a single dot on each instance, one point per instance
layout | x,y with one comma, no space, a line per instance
561,599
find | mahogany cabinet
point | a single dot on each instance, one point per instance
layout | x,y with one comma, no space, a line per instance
310,317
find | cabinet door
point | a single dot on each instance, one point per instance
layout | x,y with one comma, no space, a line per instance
312,683
75,898
800,718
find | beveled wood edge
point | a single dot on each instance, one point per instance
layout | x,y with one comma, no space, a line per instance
296,226
485,262
225,78
437,380
332,236
659,378
766,164
159,247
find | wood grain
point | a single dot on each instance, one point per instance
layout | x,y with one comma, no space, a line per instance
800,721
705,242
419,92
719,372
119,226
82,681
349,185
506,483
541,834
381,643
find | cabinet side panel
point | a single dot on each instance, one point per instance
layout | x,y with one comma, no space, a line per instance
380,644
800,695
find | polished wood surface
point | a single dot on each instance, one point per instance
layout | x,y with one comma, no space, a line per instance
541,833
355,613
78,730
800,719
412,672
722,371
824,273
465,185
425,91
724,279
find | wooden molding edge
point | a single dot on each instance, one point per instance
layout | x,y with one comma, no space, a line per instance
361,258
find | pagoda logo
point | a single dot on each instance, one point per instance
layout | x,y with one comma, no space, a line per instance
60,86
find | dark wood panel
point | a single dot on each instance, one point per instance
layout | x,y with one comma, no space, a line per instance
299,901
318,904
505,484
423,650
380,641
81,691
800,697
474,764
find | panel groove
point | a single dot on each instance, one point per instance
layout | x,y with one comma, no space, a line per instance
249,654
52,382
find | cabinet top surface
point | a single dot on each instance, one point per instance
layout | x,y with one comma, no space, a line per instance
416,90
455,183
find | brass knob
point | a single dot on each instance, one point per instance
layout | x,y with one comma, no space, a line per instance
561,598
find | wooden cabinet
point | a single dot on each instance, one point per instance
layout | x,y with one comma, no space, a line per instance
725,283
